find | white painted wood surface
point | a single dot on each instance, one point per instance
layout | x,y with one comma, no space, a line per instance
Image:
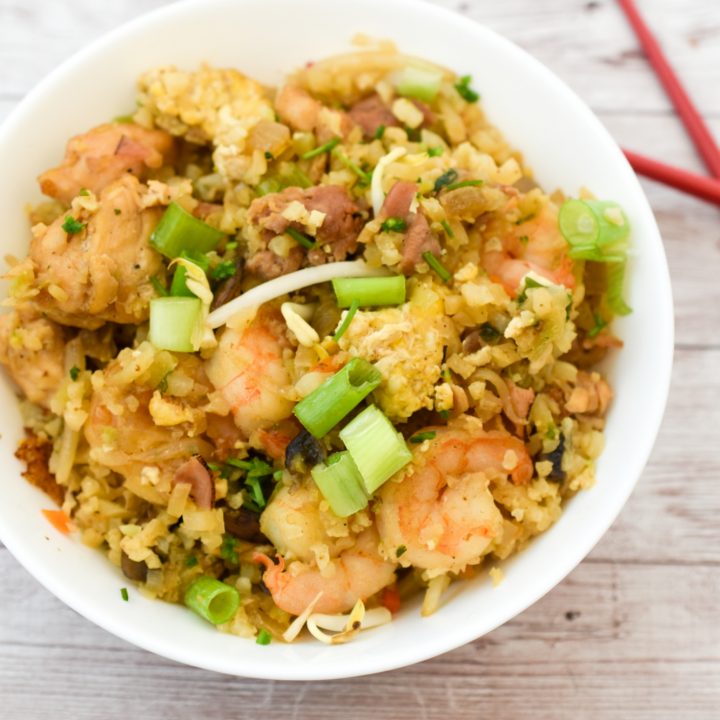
634,631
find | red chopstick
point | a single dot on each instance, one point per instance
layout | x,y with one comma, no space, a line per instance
698,185
701,135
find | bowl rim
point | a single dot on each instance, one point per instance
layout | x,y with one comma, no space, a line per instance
431,647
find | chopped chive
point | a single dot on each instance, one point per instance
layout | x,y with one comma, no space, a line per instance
254,467
394,224
269,155
465,91
278,475
263,637
124,594
117,211
74,372
180,231
600,324
465,183
447,178
442,272
163,384
321,149
421,437
349,315
524,239
72,226
300,238
191,561
375,446
328,404
212,600
341,484
435,151
525,218
227,549
446,227
256,492
370,292
350,165
528,284
84,192
224,270
158,286
444,414
379,132
400,551
232,245
124,119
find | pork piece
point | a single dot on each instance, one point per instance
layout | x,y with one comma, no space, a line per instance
32,348
297,108
419,238
101,273
370,113
35,452
339,229
244,525
104,154
195,472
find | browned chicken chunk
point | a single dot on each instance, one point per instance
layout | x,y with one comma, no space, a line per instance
98,157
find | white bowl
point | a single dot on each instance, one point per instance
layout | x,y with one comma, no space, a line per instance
565,144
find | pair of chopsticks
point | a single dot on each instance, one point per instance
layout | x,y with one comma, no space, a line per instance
707,188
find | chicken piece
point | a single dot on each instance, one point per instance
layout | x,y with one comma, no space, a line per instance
32,348
328,212
98,157
102,273
371,113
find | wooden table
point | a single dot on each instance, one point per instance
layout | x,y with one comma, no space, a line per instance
634,631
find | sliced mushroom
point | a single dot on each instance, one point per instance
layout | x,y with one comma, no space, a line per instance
132,569
244,524
303,452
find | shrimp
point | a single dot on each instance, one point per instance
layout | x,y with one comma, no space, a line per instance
442,512
535,245
248,369
352,570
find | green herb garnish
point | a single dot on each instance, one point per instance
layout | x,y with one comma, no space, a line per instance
465,91
379,132
435,151
446,227
84,192
263,637
349,315
447,178
269,155
124,594
464,183
227,549
321,149
600,325
400,551
300,238
394,224
421,437
74,372
72,226
224,270
191,561
442,272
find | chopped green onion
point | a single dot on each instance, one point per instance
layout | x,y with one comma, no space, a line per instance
300,238
84,192
178,286
464,183
263,637
435,151
124,119
447,178
524,239
442,272
394,224
267,186
178,230
444,414
72,226
421,437
379,132
599,326
375,446
616,280
488,333
528,284
227,549
400,551
269,155
212,600
321,149
327,405
595,230
159,288
124,594
341,484
448,230
74,372
117,211
464,89
370,292
173,322
349,315
525,218
257,498
255,467
350,165
278,475
226,269
191,561
418,83
232,245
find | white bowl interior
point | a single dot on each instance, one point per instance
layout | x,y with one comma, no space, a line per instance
567,147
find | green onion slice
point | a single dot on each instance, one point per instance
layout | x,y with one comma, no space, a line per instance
420,83
370,292
173,322
465,91
341,484
345,324
375,446
464,183
178,287
179,231
394,224
327,405
616,280
300,238
212,600
442,272
321,149
595,230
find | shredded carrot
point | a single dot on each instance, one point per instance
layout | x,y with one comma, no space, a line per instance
391,599
59,520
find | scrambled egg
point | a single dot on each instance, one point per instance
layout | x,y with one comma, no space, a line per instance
406,345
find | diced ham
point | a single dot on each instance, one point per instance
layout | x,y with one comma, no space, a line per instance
398,200
419,239
196,473
372,113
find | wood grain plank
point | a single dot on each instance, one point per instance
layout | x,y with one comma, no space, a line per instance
593,648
